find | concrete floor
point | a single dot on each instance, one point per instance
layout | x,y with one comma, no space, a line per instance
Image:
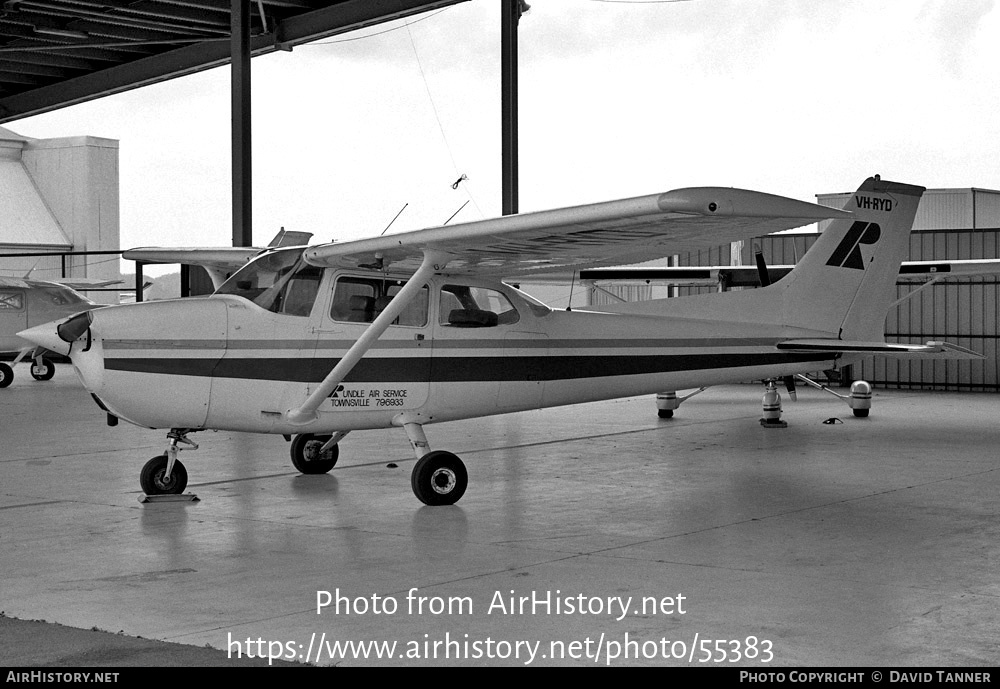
871,542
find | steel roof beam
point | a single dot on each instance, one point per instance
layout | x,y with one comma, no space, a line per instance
78,12
158,10
189,59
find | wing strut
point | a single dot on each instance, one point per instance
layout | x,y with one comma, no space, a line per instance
433,261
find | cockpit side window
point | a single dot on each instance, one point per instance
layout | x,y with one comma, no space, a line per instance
361,300
463,306
11,300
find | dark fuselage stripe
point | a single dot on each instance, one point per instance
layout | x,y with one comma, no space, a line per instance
456,369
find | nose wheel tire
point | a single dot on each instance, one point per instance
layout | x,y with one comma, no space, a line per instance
152,477
6,375
43,371
439,478
306,456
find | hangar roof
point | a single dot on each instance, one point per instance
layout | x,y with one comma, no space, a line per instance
55,53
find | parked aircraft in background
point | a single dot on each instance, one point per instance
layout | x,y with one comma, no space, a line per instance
419,327
761,275
25,303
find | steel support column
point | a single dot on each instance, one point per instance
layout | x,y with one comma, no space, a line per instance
511,13
240,88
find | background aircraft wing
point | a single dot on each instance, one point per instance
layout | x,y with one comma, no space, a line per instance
743,276
930,350
218,262
225,256
13,282
72,283
601,234
84,283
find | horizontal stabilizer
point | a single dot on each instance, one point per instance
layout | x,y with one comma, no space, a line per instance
748,276
930,350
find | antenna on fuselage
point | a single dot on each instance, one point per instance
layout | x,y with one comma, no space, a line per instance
572,281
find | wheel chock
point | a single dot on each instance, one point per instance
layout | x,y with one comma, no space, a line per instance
773,423
183,497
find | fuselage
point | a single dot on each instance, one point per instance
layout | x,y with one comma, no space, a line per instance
27,303
464,347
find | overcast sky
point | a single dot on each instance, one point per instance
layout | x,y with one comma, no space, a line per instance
793,97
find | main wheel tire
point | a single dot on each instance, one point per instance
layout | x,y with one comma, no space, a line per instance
439,478
306,456
665,413
6,375
152,481
48,370
861,412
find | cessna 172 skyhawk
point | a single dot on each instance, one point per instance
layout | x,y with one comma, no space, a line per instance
418,327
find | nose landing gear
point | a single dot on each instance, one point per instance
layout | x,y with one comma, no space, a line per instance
164,474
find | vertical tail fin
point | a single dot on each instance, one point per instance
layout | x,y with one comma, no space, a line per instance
846,281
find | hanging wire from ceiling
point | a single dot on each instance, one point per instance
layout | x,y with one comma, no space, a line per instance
437,117
406,24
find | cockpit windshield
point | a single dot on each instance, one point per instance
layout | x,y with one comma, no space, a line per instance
279,281
60,296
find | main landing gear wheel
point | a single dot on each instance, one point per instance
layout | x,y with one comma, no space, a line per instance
306,454
43,370
6,375
152,477
665,413
439,478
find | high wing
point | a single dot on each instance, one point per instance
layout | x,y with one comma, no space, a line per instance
743,276
600,234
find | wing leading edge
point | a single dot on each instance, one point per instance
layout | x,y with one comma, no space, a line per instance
601,234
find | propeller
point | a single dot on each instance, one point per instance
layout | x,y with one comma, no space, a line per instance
762,275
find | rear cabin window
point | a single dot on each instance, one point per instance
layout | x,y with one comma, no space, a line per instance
361,300
462,306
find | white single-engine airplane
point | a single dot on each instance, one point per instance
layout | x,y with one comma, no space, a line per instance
418,328
26,302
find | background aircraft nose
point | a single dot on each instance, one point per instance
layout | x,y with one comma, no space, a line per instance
46,335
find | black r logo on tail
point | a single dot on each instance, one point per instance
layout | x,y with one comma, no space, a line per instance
848,252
